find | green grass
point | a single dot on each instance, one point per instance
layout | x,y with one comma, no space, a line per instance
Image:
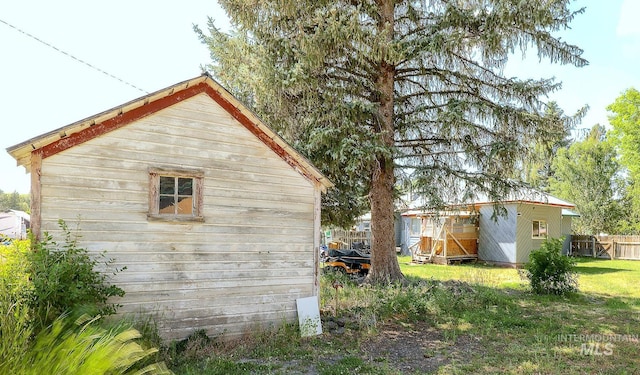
71,343
616,278
469,318
473,273
613,278
478,319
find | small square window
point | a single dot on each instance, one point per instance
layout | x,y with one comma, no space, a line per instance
539,229
175,195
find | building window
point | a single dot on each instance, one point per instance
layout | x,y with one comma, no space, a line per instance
539,229
415,226
175,195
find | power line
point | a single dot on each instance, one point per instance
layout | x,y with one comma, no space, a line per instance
72,56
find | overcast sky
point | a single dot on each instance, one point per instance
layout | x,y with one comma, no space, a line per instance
151,45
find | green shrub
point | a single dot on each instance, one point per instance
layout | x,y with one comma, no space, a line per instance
65,278
550,272
14,279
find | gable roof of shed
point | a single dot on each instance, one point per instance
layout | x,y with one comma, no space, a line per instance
78,132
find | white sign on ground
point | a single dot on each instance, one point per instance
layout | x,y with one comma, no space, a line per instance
309,316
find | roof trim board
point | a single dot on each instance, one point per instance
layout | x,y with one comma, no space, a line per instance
58,140
524,201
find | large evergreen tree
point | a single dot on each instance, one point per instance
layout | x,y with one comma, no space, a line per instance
369,88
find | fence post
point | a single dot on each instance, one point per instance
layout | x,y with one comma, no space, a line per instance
593,246
613,249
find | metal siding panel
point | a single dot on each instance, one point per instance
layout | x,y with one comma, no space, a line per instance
496,240
529,212
566,225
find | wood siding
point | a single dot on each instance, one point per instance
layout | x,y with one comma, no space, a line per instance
527,213
496,239
245,265
606,247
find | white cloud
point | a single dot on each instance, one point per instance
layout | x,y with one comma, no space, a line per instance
628,24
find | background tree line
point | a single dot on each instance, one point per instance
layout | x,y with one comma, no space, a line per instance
598,170
14,201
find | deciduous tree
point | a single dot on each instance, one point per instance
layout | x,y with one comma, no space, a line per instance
587,174
537,167
14,201
625,120
368,88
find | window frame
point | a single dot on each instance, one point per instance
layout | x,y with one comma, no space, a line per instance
533,227
154,195
412,230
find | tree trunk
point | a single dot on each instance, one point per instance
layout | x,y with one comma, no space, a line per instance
384,263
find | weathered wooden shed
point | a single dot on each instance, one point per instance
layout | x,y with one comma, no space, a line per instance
216,217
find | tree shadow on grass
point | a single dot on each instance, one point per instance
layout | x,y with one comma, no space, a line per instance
597,270
589,269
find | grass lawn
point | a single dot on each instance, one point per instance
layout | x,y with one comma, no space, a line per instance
613,278
473,273
460,319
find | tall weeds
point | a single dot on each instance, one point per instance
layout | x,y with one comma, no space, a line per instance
40,288
83,347
15,292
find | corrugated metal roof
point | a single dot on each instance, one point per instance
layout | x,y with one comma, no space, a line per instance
529,196
22,151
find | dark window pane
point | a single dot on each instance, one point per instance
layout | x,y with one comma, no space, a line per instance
167,185
166,205
185,186
185,206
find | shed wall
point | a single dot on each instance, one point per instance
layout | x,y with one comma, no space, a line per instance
245,265
529,212
496,238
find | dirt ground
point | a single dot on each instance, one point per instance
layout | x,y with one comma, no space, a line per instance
418,349
401,349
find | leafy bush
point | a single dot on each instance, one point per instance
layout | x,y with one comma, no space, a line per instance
550,272
14,279
62,279
65,278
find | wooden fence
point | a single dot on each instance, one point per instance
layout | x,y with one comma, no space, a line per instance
346,239
606,247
